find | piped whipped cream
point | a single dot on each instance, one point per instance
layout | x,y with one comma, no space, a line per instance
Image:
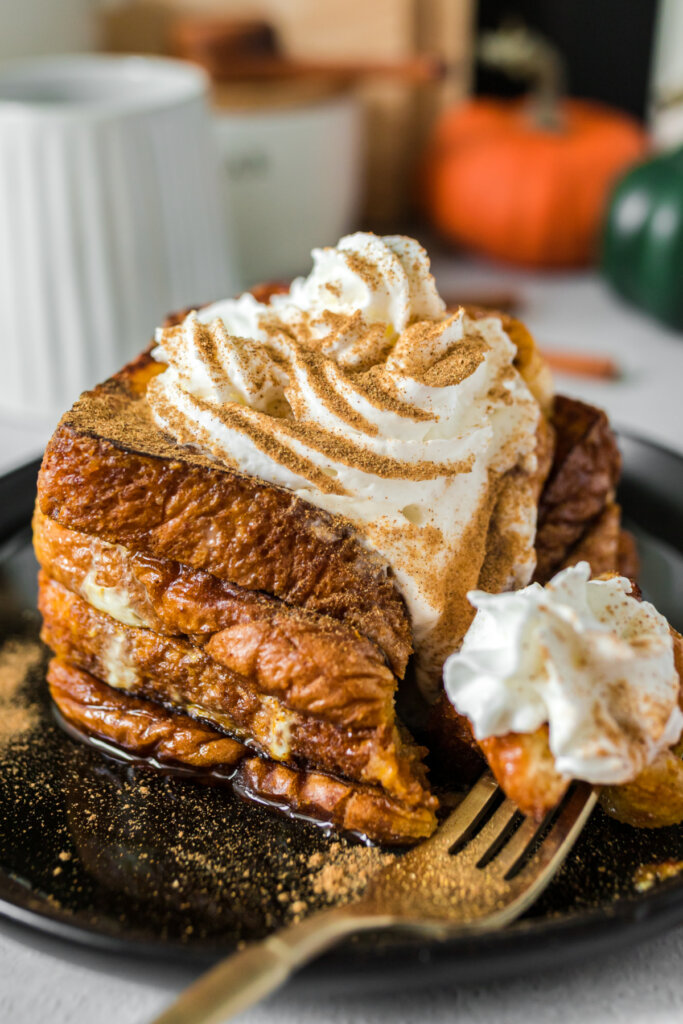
583,656
360,393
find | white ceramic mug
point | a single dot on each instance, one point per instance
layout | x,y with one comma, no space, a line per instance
292,179
110,214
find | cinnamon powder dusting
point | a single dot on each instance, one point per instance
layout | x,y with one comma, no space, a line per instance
18,714
339,875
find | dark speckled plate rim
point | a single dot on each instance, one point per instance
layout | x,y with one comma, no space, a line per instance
652,490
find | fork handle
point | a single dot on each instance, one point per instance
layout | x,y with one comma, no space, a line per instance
244,978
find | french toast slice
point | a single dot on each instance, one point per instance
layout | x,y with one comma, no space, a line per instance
346,738
148,731
259,620
109,471
312,663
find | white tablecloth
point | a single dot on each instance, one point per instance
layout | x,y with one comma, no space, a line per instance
44,980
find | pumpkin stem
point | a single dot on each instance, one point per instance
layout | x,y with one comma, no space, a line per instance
520,53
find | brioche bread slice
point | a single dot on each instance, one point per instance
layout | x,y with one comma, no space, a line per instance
109,471
148,731
310,662
345,738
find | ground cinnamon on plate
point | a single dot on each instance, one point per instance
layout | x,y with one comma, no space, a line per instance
343,872
18,715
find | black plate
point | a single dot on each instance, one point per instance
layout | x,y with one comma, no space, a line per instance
124,859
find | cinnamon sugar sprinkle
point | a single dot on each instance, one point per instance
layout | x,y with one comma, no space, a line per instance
339,875
18,715
273,431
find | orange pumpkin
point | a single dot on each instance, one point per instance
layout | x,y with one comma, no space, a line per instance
497,183
527,180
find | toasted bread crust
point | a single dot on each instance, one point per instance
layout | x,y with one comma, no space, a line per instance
581,483
655,797
177,673
599,546
108,470
357,809
522,763
135,725
311,663
150,731
525,769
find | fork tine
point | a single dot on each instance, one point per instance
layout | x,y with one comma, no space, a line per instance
524,886
475,844
467,814
512,852
575,810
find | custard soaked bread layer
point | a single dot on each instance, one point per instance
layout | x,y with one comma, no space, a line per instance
147,730
312,663
189,678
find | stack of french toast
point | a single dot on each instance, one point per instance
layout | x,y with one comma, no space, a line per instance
205,617
202,617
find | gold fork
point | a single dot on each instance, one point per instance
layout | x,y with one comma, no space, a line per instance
485,865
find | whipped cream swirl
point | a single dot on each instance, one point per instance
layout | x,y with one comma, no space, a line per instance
583,656
359,392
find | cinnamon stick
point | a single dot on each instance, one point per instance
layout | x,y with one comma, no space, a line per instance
582,364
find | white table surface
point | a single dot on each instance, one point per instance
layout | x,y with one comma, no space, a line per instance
44,980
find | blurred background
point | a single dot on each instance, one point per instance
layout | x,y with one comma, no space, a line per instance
534,146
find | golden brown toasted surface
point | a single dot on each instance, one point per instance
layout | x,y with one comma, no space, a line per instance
359,809
312,663
148,730
655,797
135,725
599,545
522,763
580,485
525,769
353,736
109,471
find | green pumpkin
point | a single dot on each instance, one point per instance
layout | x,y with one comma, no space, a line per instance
642,253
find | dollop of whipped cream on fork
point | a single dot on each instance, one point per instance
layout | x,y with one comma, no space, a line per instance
584,656
358,391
